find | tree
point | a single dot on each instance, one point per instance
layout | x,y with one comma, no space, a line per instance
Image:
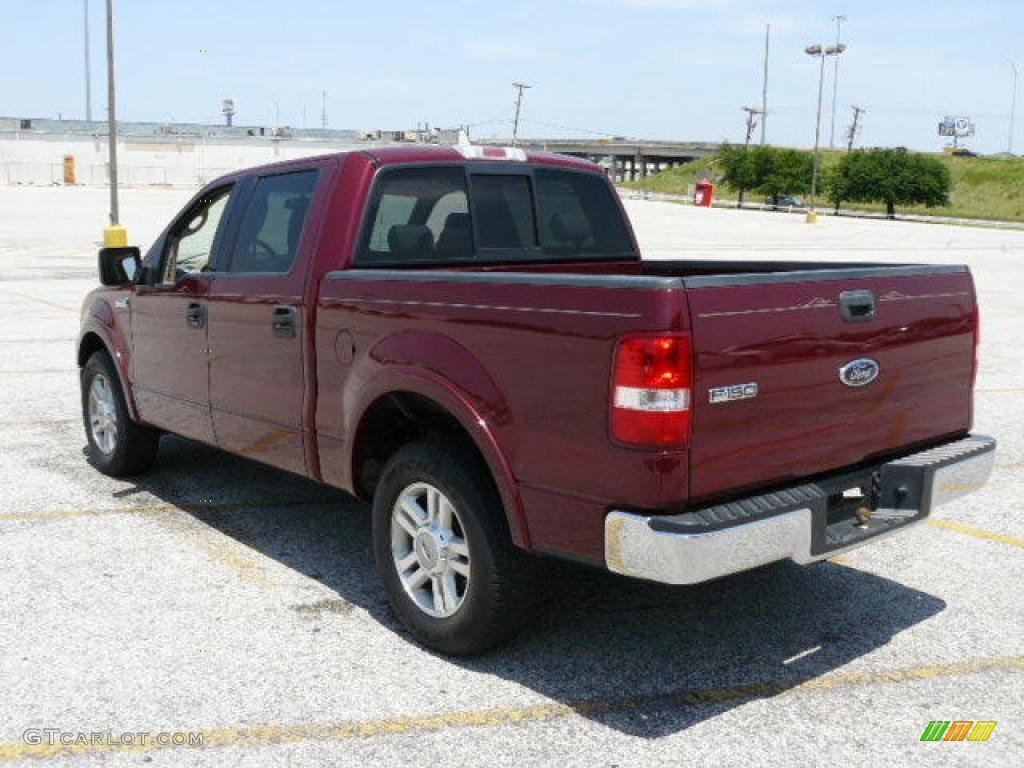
786,172
739,168
890,176
766,169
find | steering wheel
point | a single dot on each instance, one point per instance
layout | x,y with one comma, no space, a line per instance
196,223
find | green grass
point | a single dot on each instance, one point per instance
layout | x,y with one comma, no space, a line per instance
990,188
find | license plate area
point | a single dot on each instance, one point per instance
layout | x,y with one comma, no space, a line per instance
862,505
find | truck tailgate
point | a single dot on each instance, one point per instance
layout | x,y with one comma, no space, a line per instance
790,334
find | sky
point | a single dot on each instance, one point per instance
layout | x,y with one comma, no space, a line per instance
650,69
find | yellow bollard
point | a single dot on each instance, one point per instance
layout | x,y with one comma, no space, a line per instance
115,236
812,217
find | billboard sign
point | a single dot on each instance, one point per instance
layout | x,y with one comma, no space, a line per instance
957,127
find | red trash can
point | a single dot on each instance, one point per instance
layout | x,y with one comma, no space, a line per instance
703,193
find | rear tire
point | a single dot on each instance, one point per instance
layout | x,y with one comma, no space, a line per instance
444,552
117,445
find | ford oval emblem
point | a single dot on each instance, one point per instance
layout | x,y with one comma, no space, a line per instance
859,372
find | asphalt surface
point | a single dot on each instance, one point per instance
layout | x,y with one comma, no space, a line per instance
220,598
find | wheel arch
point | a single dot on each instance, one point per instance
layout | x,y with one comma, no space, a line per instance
91,341
418,406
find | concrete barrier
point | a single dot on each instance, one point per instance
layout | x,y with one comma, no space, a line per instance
28,158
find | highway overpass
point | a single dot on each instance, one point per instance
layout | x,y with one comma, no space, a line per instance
625,160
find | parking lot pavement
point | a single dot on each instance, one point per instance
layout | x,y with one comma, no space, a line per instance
238,603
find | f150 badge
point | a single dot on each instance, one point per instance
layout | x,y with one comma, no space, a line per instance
732,392
859,372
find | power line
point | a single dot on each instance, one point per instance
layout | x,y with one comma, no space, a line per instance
591,131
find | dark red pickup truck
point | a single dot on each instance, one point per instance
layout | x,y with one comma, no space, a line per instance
469,337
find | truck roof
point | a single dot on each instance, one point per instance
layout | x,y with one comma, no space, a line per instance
396,155
438,153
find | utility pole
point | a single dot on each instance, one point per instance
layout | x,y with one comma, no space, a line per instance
857,112
835,82
851,135
88,73
752,113
115,234
764,82
323,109
1013,108
520,87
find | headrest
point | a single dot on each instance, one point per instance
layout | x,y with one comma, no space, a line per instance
567,231
410,240
457,222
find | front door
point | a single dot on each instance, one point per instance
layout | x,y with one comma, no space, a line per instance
170,361
256,324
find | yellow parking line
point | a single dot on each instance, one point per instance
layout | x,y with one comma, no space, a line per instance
269,735
162,509
981,533
246,564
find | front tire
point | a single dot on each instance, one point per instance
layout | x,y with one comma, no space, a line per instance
117,445
444,552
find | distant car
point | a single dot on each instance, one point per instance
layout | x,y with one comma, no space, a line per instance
963,152
776,202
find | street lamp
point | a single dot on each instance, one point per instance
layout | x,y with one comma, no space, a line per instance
115,234
835,83
821,52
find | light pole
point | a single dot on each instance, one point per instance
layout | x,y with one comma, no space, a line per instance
1013,108
115,234
520,87
88,73
764,83
821,52
835,82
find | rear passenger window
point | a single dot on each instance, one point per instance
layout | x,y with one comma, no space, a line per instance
578,215
271,229
419,214
503,206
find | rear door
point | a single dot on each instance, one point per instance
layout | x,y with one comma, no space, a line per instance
802,373
257,324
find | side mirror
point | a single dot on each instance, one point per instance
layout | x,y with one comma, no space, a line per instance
120,265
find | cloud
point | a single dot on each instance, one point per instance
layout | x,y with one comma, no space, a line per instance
661,5
497,51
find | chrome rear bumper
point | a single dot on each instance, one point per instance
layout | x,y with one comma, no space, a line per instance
801,523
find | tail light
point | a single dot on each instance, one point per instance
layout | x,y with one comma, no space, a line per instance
653,375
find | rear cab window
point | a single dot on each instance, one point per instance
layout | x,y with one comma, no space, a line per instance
418,215
435,215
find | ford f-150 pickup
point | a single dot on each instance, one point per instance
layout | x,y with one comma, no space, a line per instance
469,338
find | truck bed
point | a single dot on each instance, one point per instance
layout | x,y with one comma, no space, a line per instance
543,380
